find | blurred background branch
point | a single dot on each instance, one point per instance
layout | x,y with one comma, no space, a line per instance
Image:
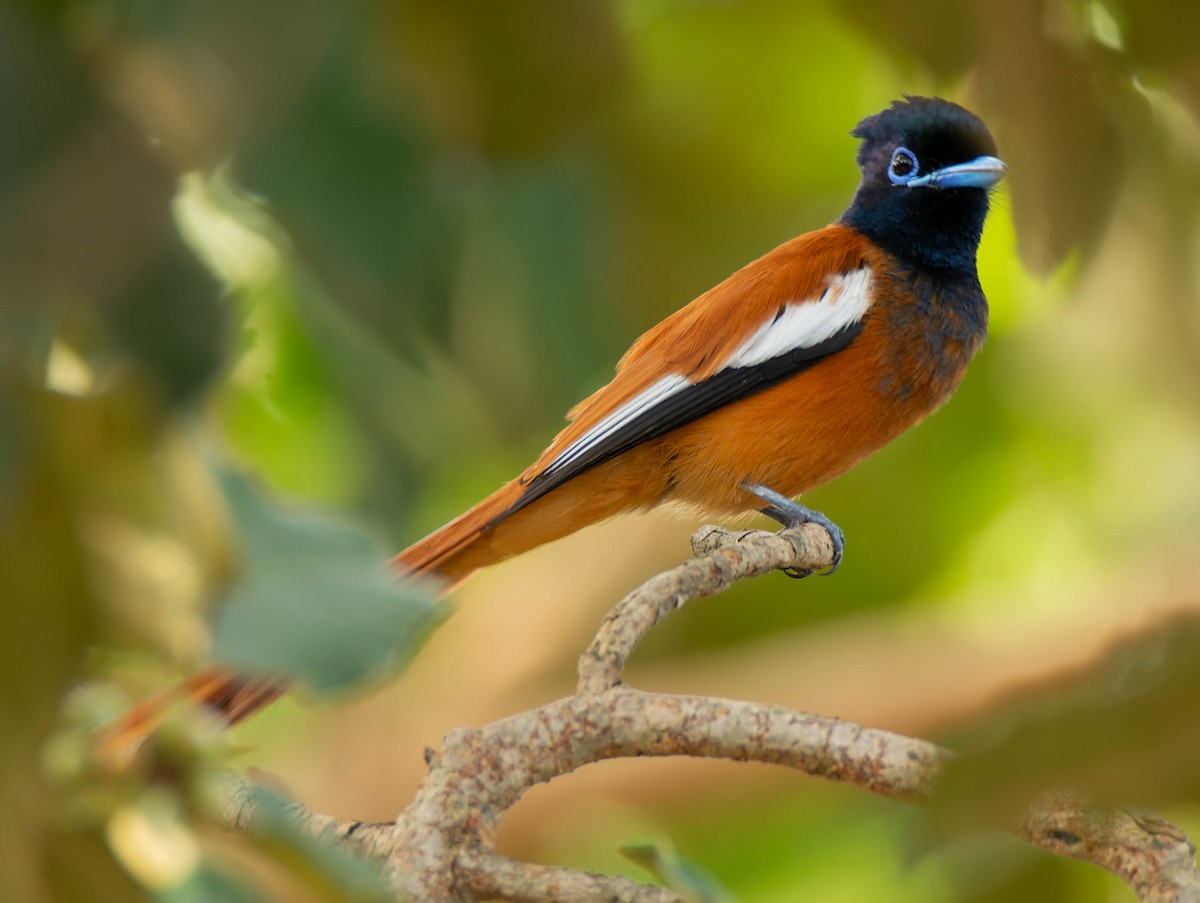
1149,853
369,252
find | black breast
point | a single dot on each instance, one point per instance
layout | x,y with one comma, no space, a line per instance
937,320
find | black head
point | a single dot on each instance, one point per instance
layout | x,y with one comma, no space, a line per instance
927,166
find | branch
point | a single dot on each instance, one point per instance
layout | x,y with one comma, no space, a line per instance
723,557
1151,855
480,774
442,847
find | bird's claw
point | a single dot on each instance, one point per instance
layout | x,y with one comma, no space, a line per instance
791,513
797,573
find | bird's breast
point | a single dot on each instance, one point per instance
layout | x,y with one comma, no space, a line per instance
926,326
916,340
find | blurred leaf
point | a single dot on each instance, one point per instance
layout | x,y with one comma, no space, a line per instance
328,871
677,873
940,40
208,885
351,174
1068,115
314,599
154,839
509,79
1157,37
59,456
1122,733
170,323
78,868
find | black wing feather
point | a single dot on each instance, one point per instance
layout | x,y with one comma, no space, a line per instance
685,406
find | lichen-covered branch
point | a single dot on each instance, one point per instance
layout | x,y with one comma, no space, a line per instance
442,847
480,774
485,875
1151,855
723,557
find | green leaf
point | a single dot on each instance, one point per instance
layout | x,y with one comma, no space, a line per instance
328,872
207,885
679,874
314,599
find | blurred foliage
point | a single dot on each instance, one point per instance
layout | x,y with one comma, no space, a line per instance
673,871
280,617
326,871
1121,735
372,251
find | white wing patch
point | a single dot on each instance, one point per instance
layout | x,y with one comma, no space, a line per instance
808,323
639,404
801,324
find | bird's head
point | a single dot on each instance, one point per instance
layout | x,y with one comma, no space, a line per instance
927,167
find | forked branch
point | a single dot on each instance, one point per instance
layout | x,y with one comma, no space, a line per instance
442,847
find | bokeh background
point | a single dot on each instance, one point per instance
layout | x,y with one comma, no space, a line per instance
259,260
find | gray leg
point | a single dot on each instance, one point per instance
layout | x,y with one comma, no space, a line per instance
791,514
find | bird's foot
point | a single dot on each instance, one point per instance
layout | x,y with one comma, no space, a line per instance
792,514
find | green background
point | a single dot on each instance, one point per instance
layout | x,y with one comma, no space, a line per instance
367,254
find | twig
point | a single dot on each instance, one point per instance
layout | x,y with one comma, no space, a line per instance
442,847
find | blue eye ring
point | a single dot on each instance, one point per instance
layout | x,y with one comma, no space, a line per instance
903,167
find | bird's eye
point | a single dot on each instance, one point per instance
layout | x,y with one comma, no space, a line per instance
903,166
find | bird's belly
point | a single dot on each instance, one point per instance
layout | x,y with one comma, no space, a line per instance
796,435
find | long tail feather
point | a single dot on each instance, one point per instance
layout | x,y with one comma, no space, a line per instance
234,696
466,544
493,531
231,695
486,534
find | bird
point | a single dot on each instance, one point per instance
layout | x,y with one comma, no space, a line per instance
775,381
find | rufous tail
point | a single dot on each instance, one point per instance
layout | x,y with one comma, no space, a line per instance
484,535
231,695
495,530
481,536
